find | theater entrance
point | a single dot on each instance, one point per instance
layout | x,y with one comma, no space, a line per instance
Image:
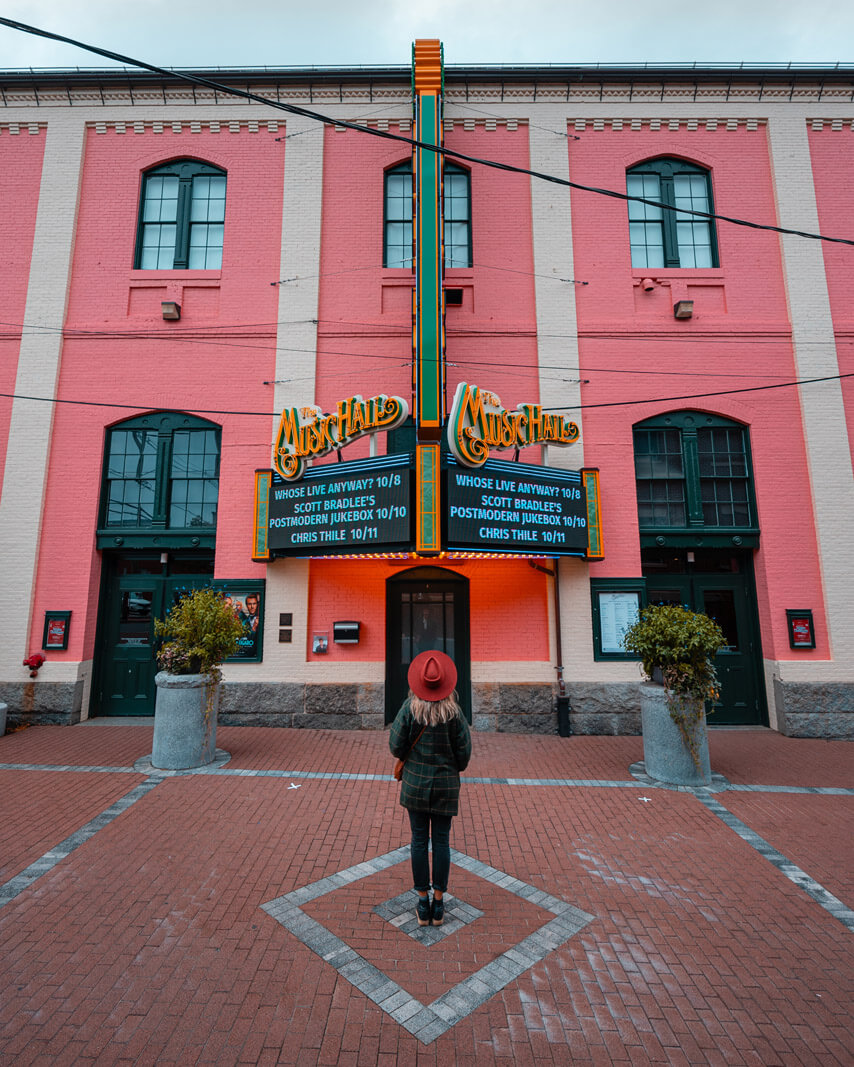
427,608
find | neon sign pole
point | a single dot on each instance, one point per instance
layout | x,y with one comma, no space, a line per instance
429,355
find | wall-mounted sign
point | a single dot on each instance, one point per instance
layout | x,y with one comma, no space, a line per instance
478,422
801,629
517,507
56,627
308,432
362,506
617,612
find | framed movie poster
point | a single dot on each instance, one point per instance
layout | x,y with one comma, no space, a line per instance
56,626
248,600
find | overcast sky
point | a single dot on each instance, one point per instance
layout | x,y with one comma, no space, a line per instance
185,33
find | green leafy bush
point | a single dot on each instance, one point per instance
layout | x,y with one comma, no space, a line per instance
201,631
681,644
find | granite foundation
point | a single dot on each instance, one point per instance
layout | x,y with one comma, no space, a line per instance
814,710
41,702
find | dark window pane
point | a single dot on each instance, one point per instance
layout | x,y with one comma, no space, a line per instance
719,604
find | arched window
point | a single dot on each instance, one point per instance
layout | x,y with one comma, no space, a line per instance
181,217
693,470
670,238
397,223
161,470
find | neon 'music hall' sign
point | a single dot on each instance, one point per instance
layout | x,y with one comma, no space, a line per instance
478,422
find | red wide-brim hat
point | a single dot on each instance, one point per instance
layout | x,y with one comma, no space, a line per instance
432,676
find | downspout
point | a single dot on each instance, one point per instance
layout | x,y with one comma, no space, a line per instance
562,696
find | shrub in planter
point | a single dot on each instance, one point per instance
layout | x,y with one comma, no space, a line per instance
677,646
201,631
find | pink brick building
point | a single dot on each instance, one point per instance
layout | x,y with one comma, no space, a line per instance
181,265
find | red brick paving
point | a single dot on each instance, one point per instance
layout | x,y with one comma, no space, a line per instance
147,944
811,831
40,810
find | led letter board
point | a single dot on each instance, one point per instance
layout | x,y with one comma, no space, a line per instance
362,506
516,507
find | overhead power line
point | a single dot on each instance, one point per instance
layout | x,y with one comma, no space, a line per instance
316,116
572,407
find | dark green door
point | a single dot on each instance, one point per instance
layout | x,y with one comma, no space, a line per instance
426,608
138,589
727,600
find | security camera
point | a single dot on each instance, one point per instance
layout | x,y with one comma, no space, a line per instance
647,284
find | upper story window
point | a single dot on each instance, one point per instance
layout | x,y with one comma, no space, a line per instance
162,470
397,235
181,217
693,470
662,238
457,196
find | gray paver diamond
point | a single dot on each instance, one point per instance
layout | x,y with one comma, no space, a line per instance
427,1021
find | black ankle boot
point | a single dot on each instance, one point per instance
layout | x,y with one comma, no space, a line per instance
423,911
438,912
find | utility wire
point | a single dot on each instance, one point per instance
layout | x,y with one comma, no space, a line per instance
387,135
574,407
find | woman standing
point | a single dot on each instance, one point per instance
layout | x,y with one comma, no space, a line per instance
431,735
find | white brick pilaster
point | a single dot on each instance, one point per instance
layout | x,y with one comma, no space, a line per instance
822,408
28,452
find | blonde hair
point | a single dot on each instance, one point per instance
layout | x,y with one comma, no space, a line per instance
432,712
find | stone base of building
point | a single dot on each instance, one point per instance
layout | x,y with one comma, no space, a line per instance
297,705
502,707
807,709
41,702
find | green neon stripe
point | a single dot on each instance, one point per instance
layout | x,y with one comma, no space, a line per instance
594,530
262,514
429,370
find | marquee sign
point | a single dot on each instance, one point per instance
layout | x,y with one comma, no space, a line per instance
307,432
518,507
361,506
478,422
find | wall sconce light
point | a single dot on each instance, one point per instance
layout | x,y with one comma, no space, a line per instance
683,309
171,310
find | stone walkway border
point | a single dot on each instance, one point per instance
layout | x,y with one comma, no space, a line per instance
426,1022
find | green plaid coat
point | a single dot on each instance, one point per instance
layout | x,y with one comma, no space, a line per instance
431,774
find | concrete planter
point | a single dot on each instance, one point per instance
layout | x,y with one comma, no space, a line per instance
666,756
3,709
184,732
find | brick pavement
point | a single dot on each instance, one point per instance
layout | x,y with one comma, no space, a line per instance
139,934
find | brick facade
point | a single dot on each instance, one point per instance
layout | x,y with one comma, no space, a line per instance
302,312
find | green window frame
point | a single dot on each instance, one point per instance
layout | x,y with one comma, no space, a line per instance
161,475
661,238
693,472
397,216
181,217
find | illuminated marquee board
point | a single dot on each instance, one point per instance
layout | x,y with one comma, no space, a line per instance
361,506
516,507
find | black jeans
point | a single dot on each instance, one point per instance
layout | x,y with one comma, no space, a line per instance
425,825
